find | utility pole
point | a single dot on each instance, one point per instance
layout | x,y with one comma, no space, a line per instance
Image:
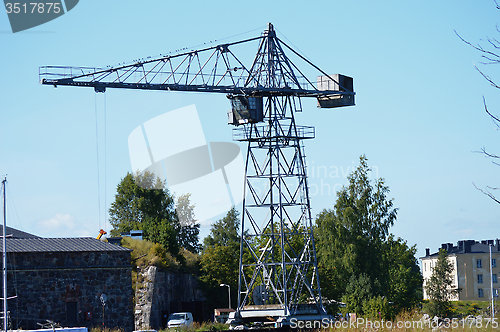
4,256
491,285
229,292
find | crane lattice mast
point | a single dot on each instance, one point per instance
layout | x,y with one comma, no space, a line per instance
278,274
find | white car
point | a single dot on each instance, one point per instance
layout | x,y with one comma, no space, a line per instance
180,319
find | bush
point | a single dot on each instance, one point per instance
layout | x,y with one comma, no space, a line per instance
437,308
191,262
209,326
357,292
140,249
146,253
377,308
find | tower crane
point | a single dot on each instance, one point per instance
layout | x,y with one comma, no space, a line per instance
278,278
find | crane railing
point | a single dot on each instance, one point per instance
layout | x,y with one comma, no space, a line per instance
263,131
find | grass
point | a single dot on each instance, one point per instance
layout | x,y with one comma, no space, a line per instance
197,327
409,321
466,308
100,329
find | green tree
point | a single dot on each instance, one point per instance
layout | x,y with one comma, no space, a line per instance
354,245
359,290
361,299
224,232
350,237
142,202
403,281
188,228
220,260
439,287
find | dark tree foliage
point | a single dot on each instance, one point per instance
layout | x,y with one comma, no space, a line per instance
353,244
350,236
143,203
403,280
359,290
224,232
220,260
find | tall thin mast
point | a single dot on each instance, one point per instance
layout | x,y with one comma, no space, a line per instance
491,285
4,255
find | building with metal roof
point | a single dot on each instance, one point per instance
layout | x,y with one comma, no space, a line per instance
78,244
17,234
71,281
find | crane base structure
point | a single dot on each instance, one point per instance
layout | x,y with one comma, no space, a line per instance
276,315
278,272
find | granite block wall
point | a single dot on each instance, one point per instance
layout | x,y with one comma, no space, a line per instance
66,288
162,293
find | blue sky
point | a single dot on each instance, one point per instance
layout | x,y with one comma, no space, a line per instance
418,116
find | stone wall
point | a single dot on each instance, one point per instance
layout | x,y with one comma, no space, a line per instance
161,293
66,288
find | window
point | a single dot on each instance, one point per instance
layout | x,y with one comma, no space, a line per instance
479,278
494,276
493,262
479,263
425,266
480,292
495,292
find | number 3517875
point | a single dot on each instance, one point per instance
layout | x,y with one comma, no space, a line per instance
33,7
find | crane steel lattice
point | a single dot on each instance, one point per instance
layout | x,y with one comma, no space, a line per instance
278,267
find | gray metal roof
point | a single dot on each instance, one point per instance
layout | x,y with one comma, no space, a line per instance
15,233
468,247
79,244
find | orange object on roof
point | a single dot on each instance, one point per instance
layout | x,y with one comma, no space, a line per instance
101,233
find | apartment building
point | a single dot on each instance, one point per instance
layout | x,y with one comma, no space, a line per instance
472,269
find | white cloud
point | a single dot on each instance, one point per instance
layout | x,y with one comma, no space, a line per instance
468,233
471,229
61,225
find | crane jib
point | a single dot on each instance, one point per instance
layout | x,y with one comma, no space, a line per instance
258,91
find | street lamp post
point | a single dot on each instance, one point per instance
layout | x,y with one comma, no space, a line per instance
229,292
491,285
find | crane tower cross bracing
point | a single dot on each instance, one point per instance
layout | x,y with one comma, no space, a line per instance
278,275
